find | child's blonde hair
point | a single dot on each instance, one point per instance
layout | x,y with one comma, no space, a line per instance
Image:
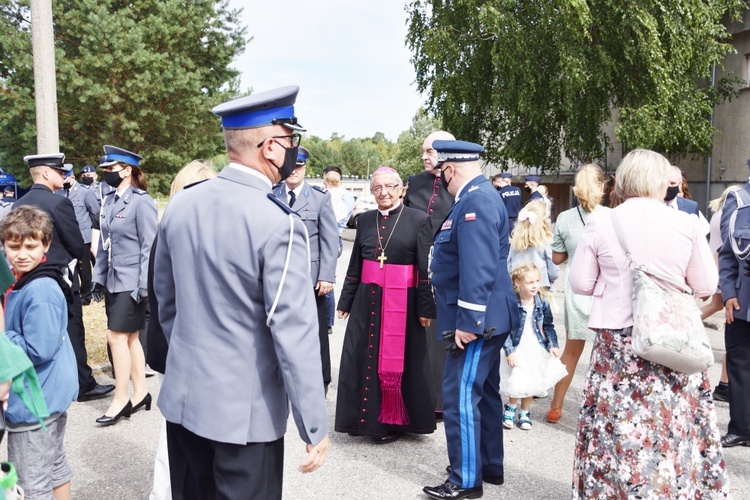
520,272
532,227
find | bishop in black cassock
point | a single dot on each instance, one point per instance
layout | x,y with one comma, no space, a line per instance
398,237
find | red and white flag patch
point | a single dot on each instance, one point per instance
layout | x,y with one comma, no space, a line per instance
471,216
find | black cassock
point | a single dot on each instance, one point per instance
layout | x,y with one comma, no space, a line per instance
358,401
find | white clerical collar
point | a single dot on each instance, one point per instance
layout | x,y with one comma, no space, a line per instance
249,171
388,212
458,193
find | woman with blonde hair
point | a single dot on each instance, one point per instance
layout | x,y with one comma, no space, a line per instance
645,431
530,242
589,189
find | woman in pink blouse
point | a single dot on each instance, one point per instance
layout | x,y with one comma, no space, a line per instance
645,431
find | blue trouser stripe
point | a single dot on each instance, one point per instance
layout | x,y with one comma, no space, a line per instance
466,414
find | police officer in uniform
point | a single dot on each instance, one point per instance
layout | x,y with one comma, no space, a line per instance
511,196
6,203
128,228
532,187
314,206
734,281
76,193
232,281
48,172
476,311
427,194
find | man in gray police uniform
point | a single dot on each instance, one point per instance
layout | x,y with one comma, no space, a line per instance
313,204
235,302
76,193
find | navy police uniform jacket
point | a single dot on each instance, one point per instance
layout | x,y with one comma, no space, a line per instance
67,242
734,273
511,196
473,289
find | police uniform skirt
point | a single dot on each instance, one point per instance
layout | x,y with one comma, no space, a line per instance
123,313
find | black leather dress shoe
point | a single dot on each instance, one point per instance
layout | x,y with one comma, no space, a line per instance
388,438
729,440
99,391
125,412
721,394
448,490
487,478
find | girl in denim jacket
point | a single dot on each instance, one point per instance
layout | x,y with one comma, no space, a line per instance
530,365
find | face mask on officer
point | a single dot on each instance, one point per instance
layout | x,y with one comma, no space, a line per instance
68,183
443,180
527,189
112,178
671,193
87,181
290,161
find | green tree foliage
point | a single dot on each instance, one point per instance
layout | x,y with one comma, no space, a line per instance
140,74
534,80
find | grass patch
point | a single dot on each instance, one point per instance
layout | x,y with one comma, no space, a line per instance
95,321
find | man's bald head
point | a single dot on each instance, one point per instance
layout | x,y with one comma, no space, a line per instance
429,155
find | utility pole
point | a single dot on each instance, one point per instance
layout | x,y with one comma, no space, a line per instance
45,87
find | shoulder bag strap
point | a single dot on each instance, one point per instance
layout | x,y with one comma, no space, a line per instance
634,265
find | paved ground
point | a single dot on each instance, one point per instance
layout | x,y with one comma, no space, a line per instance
117,462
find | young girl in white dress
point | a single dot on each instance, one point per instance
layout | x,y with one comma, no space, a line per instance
531,361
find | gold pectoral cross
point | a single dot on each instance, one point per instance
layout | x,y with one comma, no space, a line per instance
382,258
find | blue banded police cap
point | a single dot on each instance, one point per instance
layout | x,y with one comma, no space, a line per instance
113,154
273,107
87,169
456,151
302,155
68,169
506,175
533,178
49,160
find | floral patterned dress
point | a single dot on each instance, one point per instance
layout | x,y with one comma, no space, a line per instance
645,431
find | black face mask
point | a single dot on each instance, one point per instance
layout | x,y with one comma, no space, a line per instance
67,184
290,161
87,180
444,182
112,178
672,193
527,189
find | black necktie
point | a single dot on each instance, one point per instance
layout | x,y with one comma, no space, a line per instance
117,197
292,198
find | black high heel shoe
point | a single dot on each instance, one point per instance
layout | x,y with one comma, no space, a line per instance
146,401
125,412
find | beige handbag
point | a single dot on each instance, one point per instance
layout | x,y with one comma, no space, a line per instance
667,325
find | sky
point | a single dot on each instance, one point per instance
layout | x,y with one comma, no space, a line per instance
347,56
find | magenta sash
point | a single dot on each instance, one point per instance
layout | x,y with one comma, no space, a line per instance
395,279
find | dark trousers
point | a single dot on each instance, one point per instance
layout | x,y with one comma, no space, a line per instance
325,352
84,271
737,340
77,334
473,411
436,354
203,469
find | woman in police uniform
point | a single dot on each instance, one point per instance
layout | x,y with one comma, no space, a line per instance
128,227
